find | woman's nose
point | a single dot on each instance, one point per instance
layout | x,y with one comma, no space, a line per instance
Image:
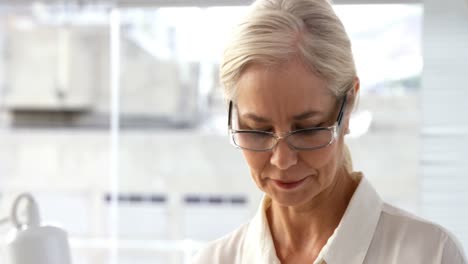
283,156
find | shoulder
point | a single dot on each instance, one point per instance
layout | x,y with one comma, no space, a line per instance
227,249
402,222
409,232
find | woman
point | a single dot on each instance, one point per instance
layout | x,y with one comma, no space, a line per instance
291,83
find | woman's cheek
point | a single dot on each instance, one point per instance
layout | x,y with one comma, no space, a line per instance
318,158
257,162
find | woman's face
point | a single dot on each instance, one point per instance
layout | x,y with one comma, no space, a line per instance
280,100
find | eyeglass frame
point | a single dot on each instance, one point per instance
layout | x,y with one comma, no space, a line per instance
334,129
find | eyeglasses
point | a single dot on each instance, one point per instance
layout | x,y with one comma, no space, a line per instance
302,139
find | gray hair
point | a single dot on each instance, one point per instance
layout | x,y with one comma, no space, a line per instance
278,31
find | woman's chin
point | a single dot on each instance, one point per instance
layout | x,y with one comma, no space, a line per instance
292,198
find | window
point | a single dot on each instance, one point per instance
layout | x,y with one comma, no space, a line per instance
169,164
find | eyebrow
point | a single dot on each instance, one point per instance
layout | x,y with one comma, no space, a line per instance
256,118
306,115
299,117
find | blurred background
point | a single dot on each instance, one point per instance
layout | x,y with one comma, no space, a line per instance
111,114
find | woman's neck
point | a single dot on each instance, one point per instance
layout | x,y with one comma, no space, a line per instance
306,228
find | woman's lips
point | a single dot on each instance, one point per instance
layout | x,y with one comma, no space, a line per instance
288,185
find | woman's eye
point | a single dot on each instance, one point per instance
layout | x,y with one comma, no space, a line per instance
265,129
309,126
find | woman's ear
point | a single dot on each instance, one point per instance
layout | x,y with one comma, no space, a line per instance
352,97
354,92
356,85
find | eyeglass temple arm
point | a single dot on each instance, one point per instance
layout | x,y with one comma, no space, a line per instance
229,114
342,111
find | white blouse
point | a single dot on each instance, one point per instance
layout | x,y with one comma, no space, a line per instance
370,232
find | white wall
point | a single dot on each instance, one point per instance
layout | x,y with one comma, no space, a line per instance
444,167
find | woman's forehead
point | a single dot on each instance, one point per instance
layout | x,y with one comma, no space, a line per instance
290,90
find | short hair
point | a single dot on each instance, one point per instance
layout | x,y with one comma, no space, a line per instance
278,31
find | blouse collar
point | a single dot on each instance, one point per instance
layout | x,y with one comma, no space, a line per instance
348,244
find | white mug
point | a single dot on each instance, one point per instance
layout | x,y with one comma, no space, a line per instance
39,245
